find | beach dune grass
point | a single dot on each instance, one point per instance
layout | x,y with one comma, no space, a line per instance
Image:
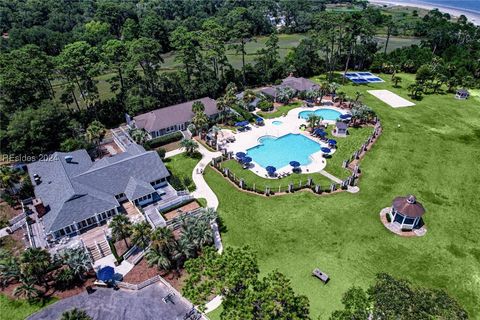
430,150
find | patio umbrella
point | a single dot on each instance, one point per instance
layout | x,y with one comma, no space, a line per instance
332,142
321,133
246,160
271,169
345,116
326,150
106,273
259,119
240,155
241,124
295,164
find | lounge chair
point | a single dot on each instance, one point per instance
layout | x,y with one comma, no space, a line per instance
320,275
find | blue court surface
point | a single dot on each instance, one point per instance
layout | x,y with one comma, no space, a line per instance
362,77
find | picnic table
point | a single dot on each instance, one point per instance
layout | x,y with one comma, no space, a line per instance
320,275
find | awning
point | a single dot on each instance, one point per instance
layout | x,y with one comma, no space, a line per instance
106,274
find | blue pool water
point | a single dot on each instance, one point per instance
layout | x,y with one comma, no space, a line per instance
278,152
326,114
277,123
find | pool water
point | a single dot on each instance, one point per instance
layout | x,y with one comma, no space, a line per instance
326,114
277,123
278,152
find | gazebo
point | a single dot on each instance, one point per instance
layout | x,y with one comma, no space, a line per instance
462,94
341,129
407,212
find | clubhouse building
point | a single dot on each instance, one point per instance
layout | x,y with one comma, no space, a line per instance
166,120
74,193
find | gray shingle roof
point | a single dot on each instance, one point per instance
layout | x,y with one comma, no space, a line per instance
136,189
169,116
80,189
299,84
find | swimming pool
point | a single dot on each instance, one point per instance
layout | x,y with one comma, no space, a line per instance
278,152
277,123
326,114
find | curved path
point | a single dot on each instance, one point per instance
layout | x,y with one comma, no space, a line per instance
203,190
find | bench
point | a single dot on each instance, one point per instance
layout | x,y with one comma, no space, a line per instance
320,275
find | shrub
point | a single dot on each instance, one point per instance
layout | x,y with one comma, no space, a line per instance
163,140
265,105
161,153
244,113
176,183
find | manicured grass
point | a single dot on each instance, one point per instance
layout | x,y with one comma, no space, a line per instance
430,150
182,166
280,110
260,183
18,309
346,147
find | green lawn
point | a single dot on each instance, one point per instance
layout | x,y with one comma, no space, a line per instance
280,110
17,309
430,150
182,166
260,183
346,147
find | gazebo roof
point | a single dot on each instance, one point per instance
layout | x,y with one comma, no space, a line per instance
408,206
462,91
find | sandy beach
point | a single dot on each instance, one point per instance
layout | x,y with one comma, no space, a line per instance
455,12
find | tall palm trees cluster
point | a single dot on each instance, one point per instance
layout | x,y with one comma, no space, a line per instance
165,250
169,253
36,271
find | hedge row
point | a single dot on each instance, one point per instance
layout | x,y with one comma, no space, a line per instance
244,113
163,140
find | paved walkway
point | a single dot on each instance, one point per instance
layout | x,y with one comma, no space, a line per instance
3,232
107,304
330,176
174,152
213,304
203,190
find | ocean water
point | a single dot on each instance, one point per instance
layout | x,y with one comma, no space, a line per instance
468,5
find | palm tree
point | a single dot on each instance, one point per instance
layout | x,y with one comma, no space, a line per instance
197,107
159,259
121,228
341,96
215,131
95,132
162,239
200,120
36,263
77,260
75,314
190,145
27,290
139,136
221,106
333,87
141,233
313,121
9,268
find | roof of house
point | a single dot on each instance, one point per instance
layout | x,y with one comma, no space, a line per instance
269,91
408,206
299,84
169,116
77,190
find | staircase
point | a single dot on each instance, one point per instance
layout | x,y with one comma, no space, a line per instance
98,250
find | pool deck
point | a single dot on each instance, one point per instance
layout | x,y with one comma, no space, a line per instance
290,124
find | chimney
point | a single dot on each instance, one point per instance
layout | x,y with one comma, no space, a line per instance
68,159
39,207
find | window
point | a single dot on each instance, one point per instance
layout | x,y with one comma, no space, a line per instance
68,230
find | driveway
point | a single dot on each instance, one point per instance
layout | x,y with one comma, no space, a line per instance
107,304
